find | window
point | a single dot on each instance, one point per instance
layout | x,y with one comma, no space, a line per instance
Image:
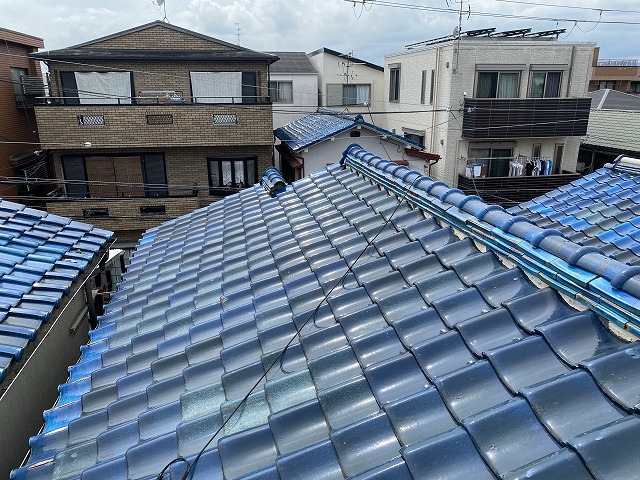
433,87
231,174
353,94
394,83
75,174
16,78
281,92
224,87
497,84
537,150
545,84
415,138
423,89
634,87
495,159
154,175
610,84
104,88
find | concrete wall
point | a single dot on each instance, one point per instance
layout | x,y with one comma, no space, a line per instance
442,120
35,387
330,70
328,152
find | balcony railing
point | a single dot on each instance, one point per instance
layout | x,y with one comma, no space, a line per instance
509,191
480,167
525,117
31,90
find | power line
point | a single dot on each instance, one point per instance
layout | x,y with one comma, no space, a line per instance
595,9
499,15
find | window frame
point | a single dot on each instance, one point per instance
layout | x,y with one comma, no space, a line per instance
423,87
344,94
276,98
226,190
544,85
158,192
499,73
606,83
72,86
85,193
248,92
394,83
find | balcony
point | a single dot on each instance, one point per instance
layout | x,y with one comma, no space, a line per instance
29,92
509,191
498,118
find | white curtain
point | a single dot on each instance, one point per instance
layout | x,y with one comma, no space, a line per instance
508,85
104,88
363,94
216,87
286,92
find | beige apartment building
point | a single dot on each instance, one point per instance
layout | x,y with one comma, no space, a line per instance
153,122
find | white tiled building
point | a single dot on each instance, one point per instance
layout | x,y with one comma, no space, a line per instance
490,97
348,82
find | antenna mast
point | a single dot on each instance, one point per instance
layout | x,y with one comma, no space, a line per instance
238,32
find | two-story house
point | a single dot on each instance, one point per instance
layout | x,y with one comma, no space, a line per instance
293,87
348,82
153,122
494,104
20,83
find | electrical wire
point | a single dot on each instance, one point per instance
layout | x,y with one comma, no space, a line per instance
499,15
596,9
190,469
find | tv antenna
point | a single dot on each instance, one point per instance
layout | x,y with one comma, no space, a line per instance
238,32
161,3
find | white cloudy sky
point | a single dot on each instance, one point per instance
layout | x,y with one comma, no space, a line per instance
306,25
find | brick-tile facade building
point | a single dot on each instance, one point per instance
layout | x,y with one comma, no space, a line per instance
622,75
20,82
150,123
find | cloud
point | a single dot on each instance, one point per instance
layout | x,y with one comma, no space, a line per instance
306,25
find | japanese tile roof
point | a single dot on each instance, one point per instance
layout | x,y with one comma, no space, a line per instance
600,210
431,358
614,129
292,62
41,256
324,124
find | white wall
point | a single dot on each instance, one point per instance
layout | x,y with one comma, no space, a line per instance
330,70
305,97
328,152
443,128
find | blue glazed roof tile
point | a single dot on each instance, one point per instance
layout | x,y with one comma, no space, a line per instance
432,357
324,124
36,271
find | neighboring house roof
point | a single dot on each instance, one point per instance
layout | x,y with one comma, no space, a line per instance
41,256
344,55
599,210
21,38
607,99
431,358
91,51
324,124
153,55
614,129
292,62
168,26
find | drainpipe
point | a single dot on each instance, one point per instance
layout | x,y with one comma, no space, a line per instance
573,56
435,100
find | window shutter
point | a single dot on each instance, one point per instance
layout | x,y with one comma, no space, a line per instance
334,94
249,90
